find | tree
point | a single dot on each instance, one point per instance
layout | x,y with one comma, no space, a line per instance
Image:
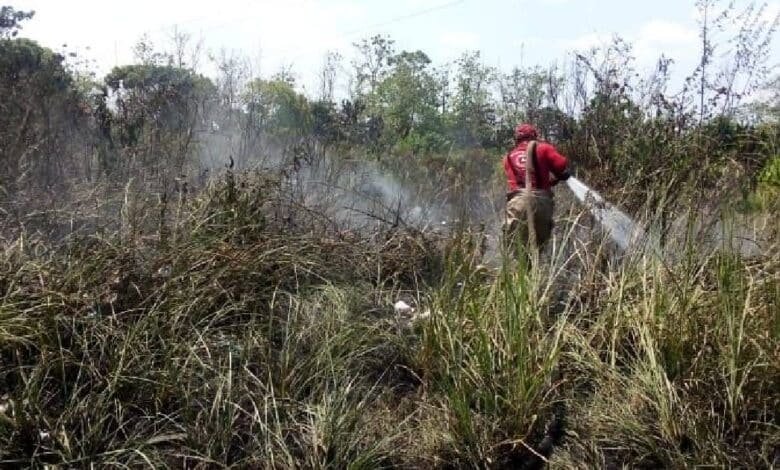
406,100
751,47
159,110
38,108
10,21
744,68
233,73
328,75
324,121
473,118
372,63
442,78
522,96
185,53
274,107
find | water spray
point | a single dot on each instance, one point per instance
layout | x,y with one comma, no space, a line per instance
621,228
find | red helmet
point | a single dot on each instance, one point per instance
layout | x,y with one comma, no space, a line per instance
525,132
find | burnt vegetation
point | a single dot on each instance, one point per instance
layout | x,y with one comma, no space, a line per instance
200,272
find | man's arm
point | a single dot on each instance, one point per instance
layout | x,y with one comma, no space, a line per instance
558,164
510,174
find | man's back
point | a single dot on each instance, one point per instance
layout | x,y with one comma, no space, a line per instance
548,160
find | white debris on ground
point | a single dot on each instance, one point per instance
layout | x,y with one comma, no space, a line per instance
407,315
402,308
164,272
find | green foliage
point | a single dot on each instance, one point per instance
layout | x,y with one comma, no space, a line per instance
325,125
275,106
159,107
770,175
473,115
372,64
766,194
488,351
421,143
37,67
149,78
406,101
38,112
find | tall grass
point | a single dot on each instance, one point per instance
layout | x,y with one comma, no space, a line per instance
680,366
234,329
489,353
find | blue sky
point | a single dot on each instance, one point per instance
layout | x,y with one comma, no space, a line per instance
273,33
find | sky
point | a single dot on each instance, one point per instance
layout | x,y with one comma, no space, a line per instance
297,33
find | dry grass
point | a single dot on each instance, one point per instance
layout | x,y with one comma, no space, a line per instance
239,328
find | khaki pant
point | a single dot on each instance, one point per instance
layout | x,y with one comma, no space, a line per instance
516,224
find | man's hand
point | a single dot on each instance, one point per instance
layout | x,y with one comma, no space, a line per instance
555,179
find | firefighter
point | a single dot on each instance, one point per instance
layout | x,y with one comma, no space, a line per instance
529,207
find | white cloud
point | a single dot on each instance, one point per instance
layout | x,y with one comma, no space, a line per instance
667,33
656,33
460,40
650,41
662,37
588,41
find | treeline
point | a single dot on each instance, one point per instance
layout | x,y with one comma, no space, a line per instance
162,117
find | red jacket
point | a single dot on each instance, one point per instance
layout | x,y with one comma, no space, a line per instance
548,160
